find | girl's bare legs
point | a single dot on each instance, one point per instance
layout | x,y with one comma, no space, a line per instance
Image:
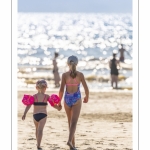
41,124
68,112
36,126
75,112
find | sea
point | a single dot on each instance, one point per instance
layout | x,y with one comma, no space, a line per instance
92,37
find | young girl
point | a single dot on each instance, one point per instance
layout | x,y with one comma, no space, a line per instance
72,98
39,110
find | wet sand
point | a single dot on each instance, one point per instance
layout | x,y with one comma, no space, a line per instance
105,123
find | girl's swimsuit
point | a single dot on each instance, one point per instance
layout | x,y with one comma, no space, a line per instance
71,99
39,116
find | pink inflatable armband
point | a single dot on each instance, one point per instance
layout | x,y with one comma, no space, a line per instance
27,100
53,99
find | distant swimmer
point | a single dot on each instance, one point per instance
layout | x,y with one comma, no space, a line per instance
55,71
113,64
122,50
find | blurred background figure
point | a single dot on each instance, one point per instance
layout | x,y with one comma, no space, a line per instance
90,37
113,64
55,70
121,51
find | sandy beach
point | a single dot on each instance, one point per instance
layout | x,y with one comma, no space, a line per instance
105,123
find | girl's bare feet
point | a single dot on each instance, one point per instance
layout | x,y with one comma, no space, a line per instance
73,149
73,144
39,148
70,145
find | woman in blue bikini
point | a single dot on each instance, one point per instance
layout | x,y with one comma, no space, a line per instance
72,98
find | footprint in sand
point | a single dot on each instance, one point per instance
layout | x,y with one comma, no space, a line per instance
89,148
99,142
48,144
50,127
23,143
85,143
112,144
82,135
100,148
31,139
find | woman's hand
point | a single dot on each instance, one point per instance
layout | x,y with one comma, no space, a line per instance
85,99
23,117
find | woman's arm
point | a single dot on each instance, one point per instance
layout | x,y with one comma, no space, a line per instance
62,85
110,64
86,89
25,112
118,63
128,53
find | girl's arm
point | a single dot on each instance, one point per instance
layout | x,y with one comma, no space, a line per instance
86,89
25,112
58,107
62,85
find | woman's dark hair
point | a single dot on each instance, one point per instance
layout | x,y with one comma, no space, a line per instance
114,55
73,72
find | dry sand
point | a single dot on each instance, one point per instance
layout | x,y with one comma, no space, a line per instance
105,123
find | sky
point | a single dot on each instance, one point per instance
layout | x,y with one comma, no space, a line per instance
85,6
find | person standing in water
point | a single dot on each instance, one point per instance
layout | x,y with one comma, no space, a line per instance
121,51
55,71
72,99
113,64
